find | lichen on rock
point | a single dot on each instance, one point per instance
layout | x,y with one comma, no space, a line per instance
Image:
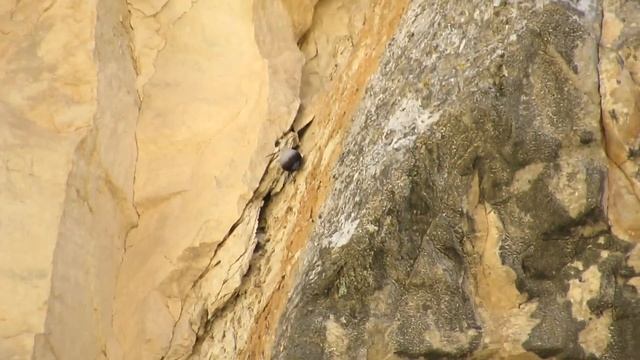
470,185
475,223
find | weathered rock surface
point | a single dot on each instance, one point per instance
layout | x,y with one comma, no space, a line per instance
67,115
200,160
469,217
470,185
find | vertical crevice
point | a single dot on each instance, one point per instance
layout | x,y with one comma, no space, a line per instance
133,186
125,25
602,94
603,132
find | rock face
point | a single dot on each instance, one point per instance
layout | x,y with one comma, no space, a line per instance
470,187
474,211
68,115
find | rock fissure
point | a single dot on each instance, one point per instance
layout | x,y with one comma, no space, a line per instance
173,332
267,185
468,191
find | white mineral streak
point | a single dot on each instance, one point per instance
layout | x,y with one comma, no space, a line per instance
343,236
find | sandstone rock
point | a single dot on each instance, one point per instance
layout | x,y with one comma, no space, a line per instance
470,185
301,13
619,85
47,101
200,161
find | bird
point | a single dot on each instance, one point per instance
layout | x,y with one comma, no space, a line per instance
290,159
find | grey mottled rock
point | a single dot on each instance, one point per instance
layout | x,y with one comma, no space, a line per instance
506,96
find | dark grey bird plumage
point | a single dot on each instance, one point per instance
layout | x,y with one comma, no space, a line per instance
290,159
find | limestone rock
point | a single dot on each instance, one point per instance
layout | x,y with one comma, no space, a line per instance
67,120
620,88
200,160
470,184
469,213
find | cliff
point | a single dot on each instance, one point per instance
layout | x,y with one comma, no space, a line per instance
470,186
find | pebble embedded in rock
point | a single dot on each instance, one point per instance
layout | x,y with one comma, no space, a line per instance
290,160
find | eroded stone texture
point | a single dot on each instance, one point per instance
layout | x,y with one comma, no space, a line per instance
620,87
69,113
328,47
620,90
475,212
223,89
301,14
245,326
47,101
468,217
217,84
98,211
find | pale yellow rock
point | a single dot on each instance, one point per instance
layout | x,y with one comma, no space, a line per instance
524,177
624,206
582,290
222,280
224,87
328,45
569,186
98,211
48,87
504,308
620,90
595,336
246,327
301,13
635,282
634,258
337,339
219,83
148,7
500,305
150,21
